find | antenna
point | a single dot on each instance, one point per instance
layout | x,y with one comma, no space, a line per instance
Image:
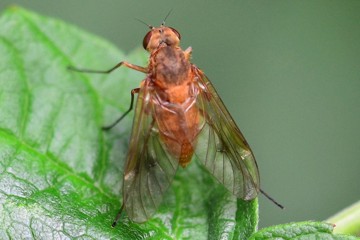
163,22
149,26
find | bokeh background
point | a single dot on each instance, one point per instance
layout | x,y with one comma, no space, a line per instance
288,71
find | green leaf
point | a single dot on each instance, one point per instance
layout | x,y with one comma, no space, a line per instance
300,231
60,175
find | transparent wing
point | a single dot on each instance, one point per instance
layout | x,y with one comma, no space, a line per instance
221,147
149,167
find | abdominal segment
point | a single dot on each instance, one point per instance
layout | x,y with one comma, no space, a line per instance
178,128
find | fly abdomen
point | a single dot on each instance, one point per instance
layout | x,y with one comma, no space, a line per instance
186,154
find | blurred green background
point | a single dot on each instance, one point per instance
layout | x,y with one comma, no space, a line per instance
288,71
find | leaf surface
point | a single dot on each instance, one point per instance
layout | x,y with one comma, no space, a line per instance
60,174
300,231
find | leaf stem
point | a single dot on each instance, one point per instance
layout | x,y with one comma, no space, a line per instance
347,221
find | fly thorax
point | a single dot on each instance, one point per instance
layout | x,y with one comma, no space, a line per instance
171,66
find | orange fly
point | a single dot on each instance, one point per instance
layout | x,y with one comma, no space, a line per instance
178,114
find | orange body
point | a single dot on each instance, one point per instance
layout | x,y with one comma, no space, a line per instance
174,97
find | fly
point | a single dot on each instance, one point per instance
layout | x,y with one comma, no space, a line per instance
178,114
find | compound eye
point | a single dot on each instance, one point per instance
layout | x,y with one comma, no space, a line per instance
176,32
147,39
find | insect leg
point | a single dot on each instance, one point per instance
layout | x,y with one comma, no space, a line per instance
118,215
133,92
271,199
126,64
